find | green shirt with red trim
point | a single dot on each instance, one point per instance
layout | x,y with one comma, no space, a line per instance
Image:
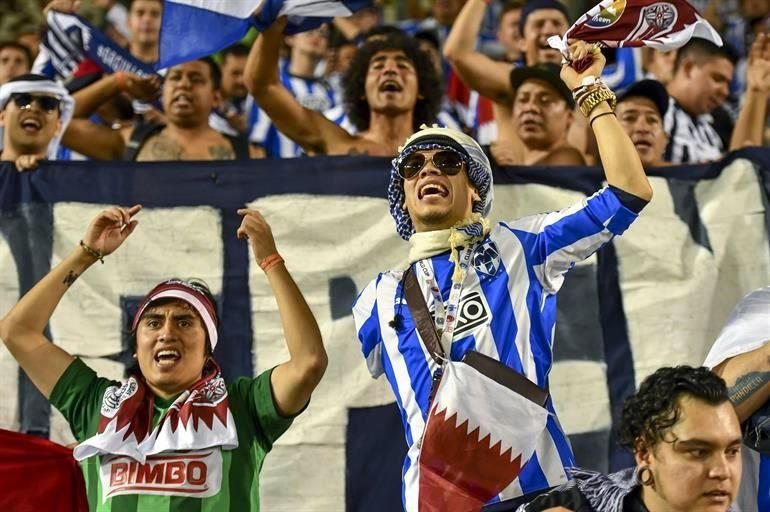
204,480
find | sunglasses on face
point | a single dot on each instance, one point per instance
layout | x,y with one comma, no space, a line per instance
447,161
46,103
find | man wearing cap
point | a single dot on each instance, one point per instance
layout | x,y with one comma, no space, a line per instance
542,116
175,436
34,112
495,80
490,289
641,110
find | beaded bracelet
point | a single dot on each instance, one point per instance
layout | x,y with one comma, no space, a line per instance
92,252
271,261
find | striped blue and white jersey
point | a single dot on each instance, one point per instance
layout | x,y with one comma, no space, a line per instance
507,310
311,93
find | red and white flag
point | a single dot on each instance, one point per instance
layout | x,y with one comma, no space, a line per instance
664,25
478,436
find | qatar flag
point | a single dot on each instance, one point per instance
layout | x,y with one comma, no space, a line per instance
479,434
628,23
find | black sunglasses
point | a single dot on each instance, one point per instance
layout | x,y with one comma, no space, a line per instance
46,103
447,161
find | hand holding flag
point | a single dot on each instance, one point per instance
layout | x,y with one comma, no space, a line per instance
631,23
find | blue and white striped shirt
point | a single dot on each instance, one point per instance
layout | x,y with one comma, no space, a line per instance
311,93
507,311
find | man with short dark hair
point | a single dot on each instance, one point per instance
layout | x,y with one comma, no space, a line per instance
230,116
15,60
34,112
700,85
641,109
144,18
190,93
542,114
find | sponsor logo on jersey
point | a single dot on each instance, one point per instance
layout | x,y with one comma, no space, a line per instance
473,312
194,473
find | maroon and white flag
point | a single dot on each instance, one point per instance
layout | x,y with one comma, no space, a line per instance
478,436
664,25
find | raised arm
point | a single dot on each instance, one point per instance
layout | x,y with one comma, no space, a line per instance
491,78
750,125
293,381
94,140
90,98
617,153
748,379
308,128
22,328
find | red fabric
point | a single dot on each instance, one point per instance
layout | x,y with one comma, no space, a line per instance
36,474
87,67
624,23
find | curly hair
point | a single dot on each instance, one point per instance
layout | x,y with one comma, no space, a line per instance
429,84
656,407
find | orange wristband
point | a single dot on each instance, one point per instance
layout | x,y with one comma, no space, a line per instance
271,261
120,78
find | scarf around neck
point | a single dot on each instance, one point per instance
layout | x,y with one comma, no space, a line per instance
198,418
465,233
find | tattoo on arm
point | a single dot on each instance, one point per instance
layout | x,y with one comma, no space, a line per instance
746,385
221,152
70,278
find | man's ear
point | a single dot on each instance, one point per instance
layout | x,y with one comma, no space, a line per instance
642,453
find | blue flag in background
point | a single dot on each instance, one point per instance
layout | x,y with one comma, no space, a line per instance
192,29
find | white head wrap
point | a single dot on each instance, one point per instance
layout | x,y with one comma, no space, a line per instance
41,87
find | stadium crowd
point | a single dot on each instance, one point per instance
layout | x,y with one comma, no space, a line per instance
483,68
365,84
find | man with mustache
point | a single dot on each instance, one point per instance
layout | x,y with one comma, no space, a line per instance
34,111
641,109
190,92
391,89
539,19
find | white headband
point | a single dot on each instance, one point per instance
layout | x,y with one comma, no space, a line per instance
208,320
41,87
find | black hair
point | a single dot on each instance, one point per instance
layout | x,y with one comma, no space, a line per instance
508,6
216,74
429,36
429,86
383,31
236,50
656,407
702,50
18,46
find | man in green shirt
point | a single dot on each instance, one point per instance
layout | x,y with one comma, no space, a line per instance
174,436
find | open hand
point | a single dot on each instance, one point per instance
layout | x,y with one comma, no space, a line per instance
758,68
109,229
143,88
255,228
582,53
